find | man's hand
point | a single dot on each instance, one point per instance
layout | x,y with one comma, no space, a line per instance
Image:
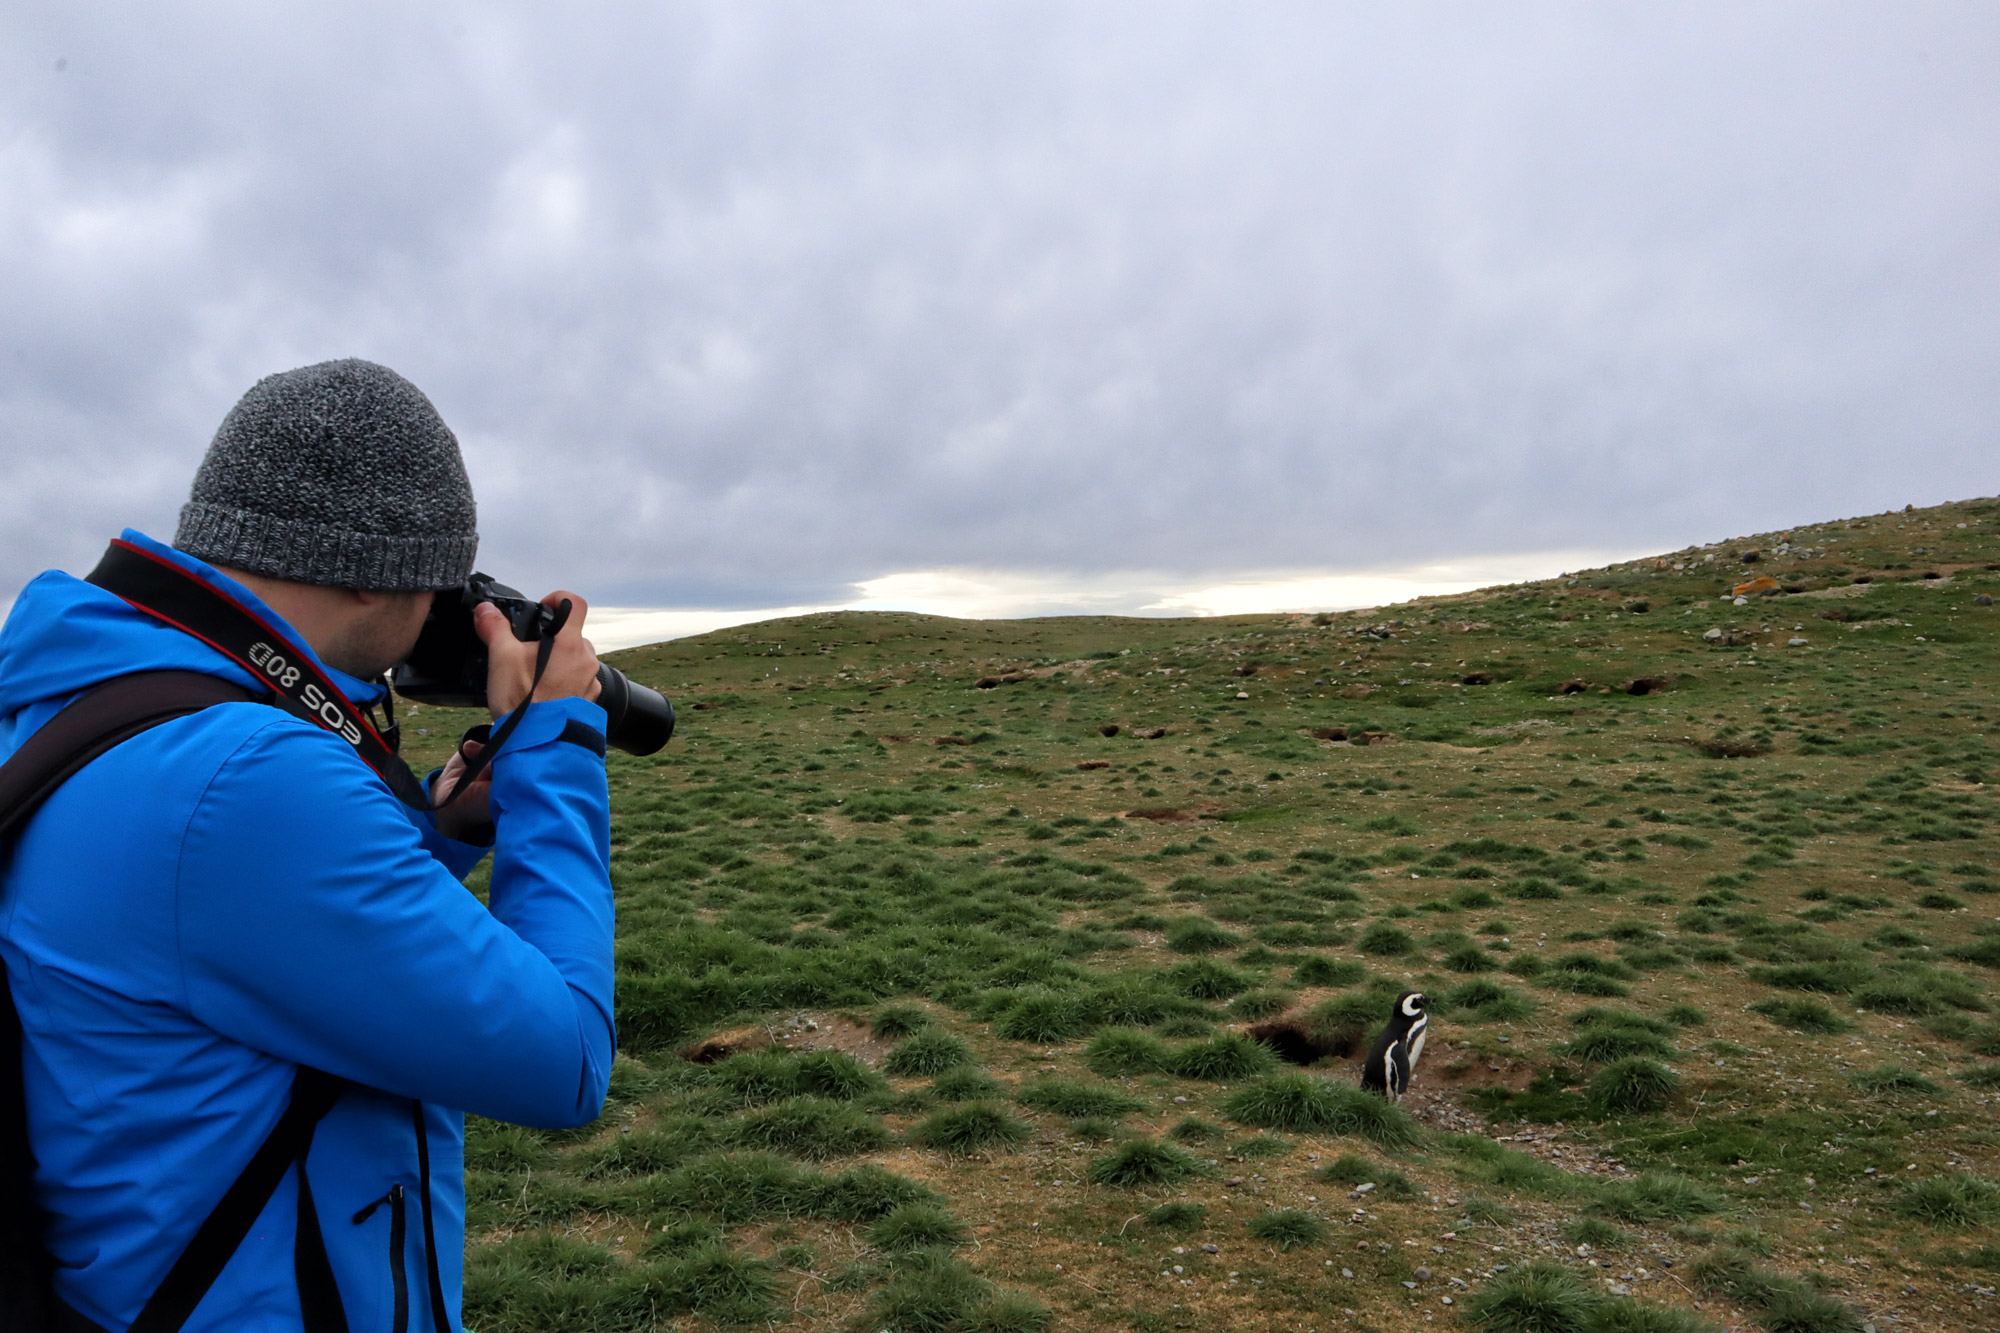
572,669
470,817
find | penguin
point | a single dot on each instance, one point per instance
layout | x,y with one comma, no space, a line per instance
1393,1057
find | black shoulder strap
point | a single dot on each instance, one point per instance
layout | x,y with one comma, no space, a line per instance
172,596
93,723
88,727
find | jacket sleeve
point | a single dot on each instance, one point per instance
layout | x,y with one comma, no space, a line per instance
315,925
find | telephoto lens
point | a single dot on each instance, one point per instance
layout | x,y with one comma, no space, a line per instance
448,665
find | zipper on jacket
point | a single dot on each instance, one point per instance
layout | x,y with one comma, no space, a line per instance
398,1278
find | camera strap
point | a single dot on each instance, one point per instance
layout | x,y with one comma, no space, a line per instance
172,596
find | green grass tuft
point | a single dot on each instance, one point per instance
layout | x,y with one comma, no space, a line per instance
1957,1200
1808,1016
1782,1304
918,1226
809,1127
1655,1197
1206,979
1039,1014
927,1053
931,1292
1328,972
1227,1057
1310,1104
970,1129
1071,1096
1116,1052
1594,1232
1484,1001
1196,1130
723,1285
1286,1228
1893,1080
1602,1045
1177,1216
965,1085
1197,934
1257,1004
1385,939
1634,1085
899,1020
1535,1298
1143,1162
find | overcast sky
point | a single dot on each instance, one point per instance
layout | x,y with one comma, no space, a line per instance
780,305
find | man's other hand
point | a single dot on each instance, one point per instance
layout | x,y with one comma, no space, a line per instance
572,669
469,818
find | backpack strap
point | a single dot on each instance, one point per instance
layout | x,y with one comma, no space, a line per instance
88,727
93,723
313,1095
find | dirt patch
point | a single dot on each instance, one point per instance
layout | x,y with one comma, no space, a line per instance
1089,764
1645,685
1522,728
710,1050
1173,814
812,1030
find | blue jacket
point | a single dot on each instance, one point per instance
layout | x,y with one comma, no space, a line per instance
234,894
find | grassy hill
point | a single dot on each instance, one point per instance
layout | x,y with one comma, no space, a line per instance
970,970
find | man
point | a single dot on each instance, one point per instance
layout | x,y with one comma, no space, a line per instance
234,895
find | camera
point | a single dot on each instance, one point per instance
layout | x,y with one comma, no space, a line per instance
448,665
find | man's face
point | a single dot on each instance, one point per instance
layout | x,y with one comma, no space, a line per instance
385,633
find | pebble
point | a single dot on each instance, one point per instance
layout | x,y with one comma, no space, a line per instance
1347,1272
1422,1275
1211,1249
1795,643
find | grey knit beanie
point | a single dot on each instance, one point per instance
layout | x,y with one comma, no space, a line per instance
340,474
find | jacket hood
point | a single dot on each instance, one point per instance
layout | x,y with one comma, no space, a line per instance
65,635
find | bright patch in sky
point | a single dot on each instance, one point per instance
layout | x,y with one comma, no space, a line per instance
970,594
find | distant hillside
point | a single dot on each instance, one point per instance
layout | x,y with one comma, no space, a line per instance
1011,974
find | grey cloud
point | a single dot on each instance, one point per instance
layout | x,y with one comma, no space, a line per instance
737,304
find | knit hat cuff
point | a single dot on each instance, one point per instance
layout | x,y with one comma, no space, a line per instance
284,548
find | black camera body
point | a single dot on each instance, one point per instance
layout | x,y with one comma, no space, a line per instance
448,665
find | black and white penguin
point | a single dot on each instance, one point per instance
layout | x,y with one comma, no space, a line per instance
1393,1057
